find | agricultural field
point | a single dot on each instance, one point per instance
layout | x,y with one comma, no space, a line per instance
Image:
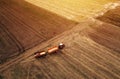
22,28
90,53
76,10
111,16
90,32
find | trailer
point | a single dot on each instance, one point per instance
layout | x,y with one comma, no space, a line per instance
51,50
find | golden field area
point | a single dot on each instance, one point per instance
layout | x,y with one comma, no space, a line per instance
88,29
74,9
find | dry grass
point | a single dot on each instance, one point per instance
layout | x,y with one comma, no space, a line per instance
76,10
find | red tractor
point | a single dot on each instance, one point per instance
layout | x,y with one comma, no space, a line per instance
49,51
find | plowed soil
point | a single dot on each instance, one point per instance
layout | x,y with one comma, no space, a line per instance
23,25
111,16
92,47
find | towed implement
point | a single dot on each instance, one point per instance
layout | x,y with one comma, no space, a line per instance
51,50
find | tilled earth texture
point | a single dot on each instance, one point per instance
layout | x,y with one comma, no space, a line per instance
23,27
90,30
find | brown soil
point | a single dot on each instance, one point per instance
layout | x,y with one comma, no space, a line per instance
91,52
92,49
111,16
23,25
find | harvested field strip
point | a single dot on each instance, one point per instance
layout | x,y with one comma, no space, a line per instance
93,57
70,65
105,36
111,16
